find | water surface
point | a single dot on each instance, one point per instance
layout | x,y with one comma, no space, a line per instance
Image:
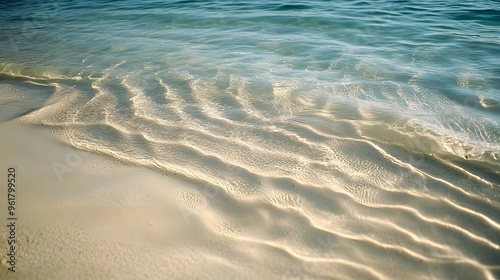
370,129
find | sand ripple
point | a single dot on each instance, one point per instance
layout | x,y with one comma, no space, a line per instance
326,187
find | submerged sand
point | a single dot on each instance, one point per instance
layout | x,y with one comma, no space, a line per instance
83,215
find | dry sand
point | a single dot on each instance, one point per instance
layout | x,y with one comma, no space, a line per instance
101,219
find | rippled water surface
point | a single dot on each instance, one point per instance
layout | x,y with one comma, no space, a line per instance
367,132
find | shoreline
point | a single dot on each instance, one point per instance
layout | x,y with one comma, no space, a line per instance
84,216
94,217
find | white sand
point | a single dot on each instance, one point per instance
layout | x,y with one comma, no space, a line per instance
86,216
108,220
104,220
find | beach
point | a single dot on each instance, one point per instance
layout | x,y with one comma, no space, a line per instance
228,140
93,217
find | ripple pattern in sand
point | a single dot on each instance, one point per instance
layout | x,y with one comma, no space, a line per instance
305,180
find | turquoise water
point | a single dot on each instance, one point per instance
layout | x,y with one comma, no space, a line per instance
389,108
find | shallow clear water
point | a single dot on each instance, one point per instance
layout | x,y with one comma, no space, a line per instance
377,122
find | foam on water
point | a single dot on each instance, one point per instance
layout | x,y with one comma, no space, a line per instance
353,137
